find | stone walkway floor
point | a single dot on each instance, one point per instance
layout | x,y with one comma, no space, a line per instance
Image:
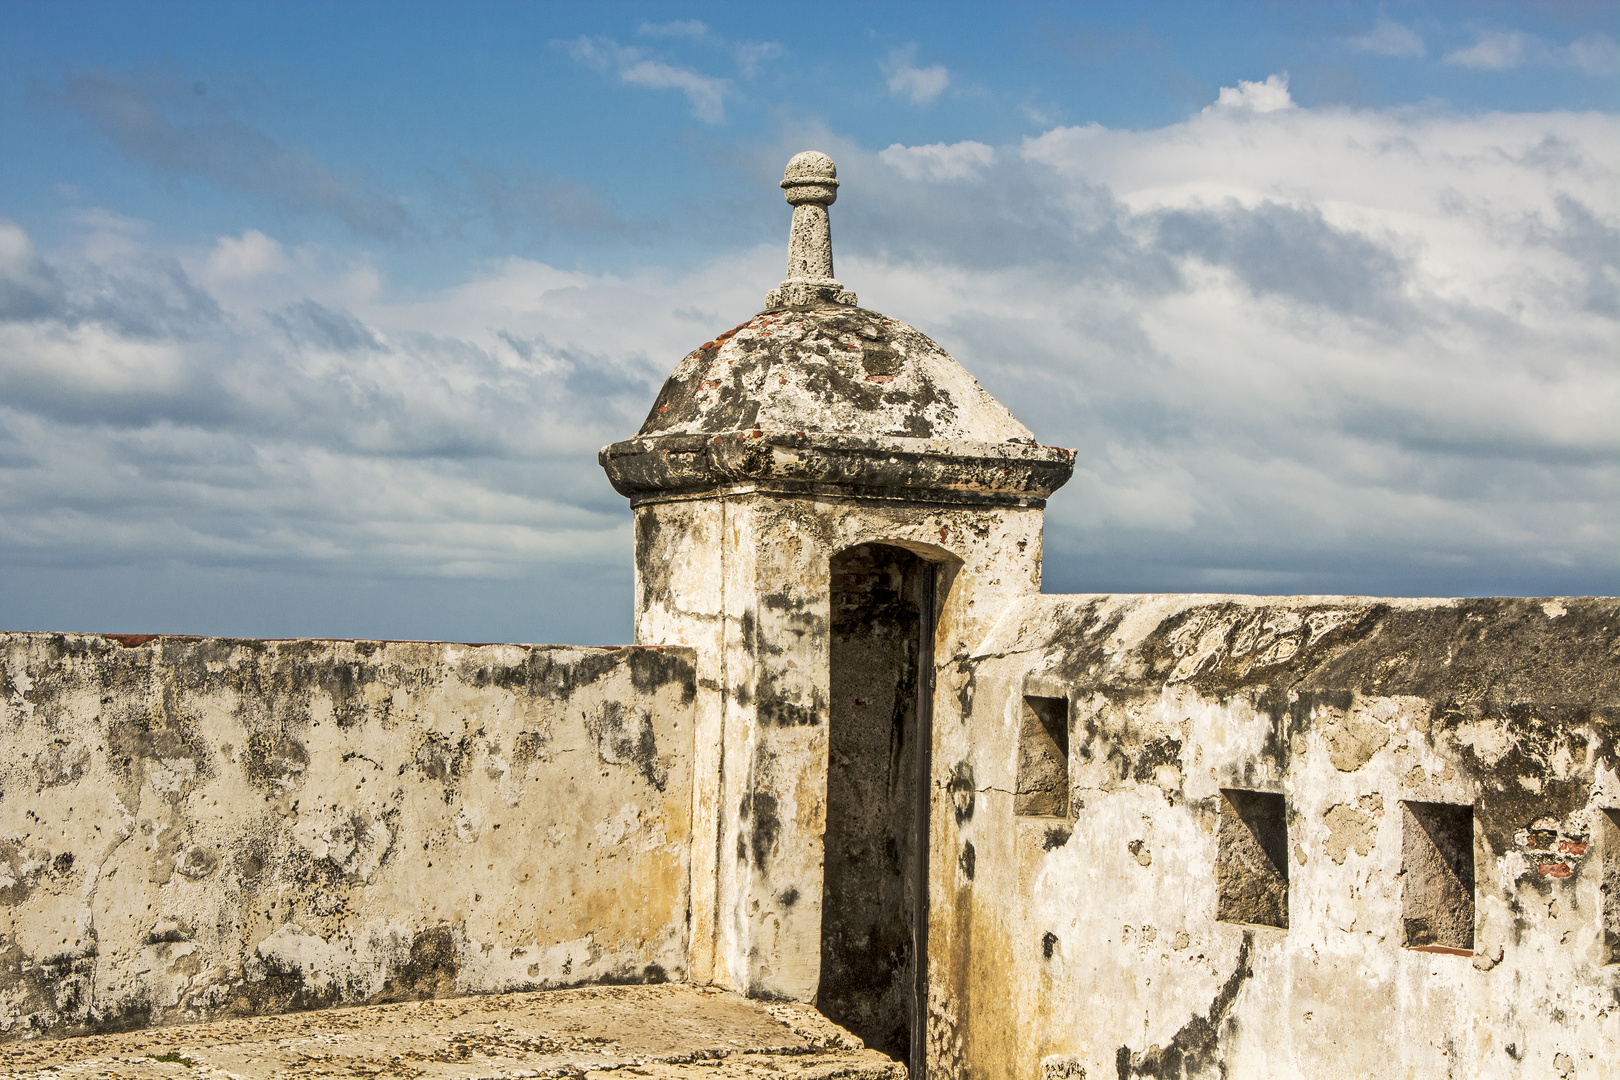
600,1033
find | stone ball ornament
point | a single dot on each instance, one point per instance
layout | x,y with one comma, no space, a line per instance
810,177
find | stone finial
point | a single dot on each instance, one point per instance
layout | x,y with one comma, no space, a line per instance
811,184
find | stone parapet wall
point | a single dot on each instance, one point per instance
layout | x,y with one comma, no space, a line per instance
195,828
1304,836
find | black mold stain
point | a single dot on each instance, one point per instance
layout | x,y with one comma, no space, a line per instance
22,868
963,791
759,808
429,972
62,763
442,761
559,674
1156,752
629,975
968,860
146,738
253,856
1049,942
529,746
275,761
172,934
654,578
625,737
966,674
776,712
1055,838
1192,1050
781,702
197,864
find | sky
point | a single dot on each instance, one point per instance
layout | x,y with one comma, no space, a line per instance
313,317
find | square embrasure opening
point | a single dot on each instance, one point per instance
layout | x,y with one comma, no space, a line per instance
1251,865
1043,759
1437,866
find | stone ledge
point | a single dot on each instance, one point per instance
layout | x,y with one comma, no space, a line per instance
937,470
669,1032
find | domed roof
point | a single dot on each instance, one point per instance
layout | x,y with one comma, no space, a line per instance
816,393
831,369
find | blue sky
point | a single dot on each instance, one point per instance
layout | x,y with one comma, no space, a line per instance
312,317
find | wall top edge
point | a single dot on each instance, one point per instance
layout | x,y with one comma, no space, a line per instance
1556,651
1259,600
130,641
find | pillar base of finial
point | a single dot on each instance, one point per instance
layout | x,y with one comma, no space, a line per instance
808,293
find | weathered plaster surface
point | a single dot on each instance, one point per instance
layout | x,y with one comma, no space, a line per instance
1094,942
757,609
193,827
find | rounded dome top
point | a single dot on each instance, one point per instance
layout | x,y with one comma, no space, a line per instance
833,370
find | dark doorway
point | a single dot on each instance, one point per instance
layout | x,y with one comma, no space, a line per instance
875,898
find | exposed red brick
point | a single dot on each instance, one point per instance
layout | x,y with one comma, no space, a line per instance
130,641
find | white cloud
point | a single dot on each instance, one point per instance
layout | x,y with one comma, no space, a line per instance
918,85
938,161
103,220
246,256
19,262
1260,97
1596,54
750,54
1389,38
1493,50
705,94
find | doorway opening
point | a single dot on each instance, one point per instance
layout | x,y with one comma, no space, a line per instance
874,913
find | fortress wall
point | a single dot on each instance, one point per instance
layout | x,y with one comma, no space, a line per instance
194,828
1262,866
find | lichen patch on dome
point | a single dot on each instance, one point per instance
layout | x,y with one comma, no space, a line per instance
835,370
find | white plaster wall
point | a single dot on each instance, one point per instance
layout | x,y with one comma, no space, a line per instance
1346,707
199,827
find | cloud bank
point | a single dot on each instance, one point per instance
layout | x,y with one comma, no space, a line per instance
1297,350
1389,38
1291,345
